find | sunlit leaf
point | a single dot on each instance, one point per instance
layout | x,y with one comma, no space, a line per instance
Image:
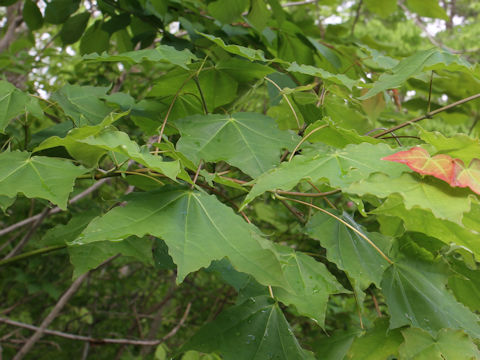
447,345
219,137
38,176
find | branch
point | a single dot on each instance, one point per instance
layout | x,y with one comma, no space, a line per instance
428,115
55,210
105,340
21,244
50,317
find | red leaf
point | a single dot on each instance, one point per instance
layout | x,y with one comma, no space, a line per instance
467,176
419,160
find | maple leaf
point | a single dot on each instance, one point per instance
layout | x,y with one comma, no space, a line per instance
467,177
418,159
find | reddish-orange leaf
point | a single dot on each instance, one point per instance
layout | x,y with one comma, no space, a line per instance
418,159
467,176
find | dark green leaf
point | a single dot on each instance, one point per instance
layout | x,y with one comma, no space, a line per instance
58,11
227,11
89,256
427,8
254,330
95,40
197,229
73,28
415,293
348,250
32,15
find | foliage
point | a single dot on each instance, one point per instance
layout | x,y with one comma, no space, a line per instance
213,179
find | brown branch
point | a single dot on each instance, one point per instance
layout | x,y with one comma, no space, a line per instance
428,115
55,210
105,340
14,20
40,331
21,244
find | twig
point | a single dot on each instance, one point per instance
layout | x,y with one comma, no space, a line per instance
294,211
32,253
430,92
21,244
54,313
428,115
375,303
357,15
84,338
196,174
55,210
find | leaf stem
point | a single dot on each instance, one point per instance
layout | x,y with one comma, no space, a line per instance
286,99
344,223
428,115
304,139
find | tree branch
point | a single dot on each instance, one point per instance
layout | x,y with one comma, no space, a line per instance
54,312
428,115
104,340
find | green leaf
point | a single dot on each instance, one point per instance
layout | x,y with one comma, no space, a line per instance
382,8
63,234
336,345
90,143
254,330
331,134
95,39
377,343
197,229
58,11
340,167
38,176
227,11
12,103
251,54
427,8
74,27
249,141
162,53
82,103
465,284
415,294
423,221
432,59
447,345
89,256
6,202
242,70
259,14
427,193
310,281
348,250
32,15
338,79
458,146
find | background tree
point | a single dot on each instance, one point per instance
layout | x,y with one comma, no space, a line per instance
239,179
